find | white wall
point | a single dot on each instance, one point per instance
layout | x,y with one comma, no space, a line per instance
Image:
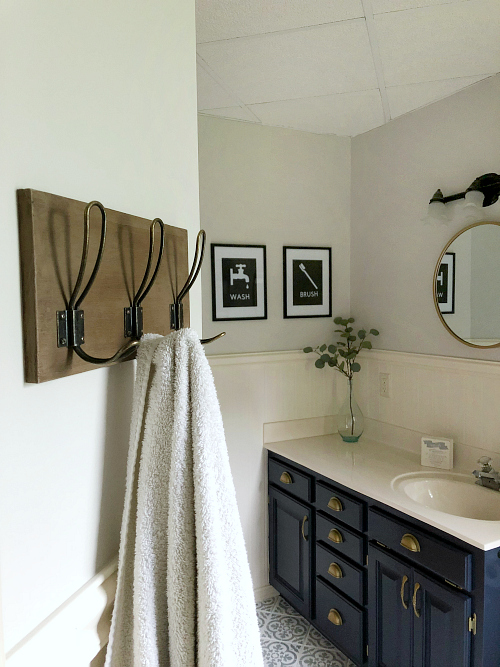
277,187
395,170
98,101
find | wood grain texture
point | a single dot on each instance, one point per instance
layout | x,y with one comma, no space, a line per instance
51,236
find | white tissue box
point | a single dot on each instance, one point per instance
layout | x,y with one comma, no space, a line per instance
437,452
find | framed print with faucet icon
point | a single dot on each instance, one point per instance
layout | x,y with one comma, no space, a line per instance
307,282
239,290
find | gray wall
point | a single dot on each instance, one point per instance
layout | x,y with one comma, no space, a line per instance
395,170
267,185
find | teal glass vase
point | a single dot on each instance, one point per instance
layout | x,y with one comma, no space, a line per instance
350,420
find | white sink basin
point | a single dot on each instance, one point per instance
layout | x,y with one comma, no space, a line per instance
452,493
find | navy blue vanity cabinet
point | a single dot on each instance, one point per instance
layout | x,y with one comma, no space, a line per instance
290,549
387,589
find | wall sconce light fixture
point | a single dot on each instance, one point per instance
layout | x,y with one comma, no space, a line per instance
483,191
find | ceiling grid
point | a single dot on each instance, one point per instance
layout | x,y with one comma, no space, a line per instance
339,66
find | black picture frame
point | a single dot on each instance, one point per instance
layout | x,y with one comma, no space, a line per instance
445,292
238,294
307,271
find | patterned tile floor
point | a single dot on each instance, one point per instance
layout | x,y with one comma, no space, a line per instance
288,640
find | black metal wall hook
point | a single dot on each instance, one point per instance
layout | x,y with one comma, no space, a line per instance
133,314
176,309
70,322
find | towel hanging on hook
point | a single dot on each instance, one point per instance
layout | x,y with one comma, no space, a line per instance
176,308
70,322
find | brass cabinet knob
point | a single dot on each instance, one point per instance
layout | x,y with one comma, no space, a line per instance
335,504
335,571
286,478
335,617
335,536
410,542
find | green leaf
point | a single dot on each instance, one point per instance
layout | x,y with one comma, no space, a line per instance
367,344
361,334
325,357
344,335
332,349
351,338
355,368
322,348
319,363
374,332
307,349
343,353
349,329
337,320
341,365
344,323
351,319
332,362
352,355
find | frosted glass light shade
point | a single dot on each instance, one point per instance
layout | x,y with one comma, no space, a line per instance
438,211
472,210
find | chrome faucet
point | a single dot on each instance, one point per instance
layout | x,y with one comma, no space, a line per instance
487,476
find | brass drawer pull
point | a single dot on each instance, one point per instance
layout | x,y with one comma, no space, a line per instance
410,542
403,584
415,591
304,537
335,571
335,536
335,504
335,617
286,478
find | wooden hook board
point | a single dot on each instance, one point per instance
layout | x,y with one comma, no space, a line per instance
51,236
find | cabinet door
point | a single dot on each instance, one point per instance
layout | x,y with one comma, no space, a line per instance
440,621
290,549
390,610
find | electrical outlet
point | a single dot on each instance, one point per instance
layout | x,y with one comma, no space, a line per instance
384,384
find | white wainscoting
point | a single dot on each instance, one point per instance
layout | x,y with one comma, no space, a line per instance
75,634
253,390
432,395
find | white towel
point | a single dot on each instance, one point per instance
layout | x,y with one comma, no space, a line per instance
184,596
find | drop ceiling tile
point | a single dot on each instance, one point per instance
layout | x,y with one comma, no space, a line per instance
304,63
403,99
224,19
381,6
210,94
235,113
440,42
345,114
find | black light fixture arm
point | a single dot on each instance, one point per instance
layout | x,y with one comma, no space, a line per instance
488,184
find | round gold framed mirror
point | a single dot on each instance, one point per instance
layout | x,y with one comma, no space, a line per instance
466,285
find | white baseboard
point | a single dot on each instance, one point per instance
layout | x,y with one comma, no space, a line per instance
75,634
265,593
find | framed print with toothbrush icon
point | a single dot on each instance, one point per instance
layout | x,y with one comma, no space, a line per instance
307,279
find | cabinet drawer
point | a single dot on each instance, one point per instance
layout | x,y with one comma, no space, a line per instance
446,560
288,479
340,621
343,540
340,505
347,578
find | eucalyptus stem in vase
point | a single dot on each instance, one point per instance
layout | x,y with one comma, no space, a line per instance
342,356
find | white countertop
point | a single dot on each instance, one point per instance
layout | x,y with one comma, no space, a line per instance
369,467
